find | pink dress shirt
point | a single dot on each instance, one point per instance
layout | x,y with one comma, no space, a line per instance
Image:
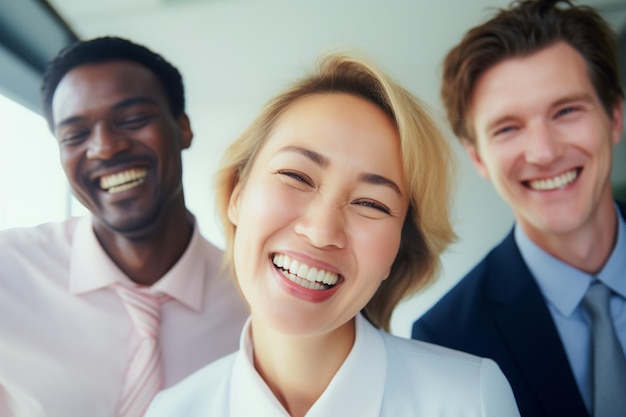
65,336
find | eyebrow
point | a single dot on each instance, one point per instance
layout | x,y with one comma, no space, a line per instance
122,104
315,157
322,161
584,96
376,179
576,97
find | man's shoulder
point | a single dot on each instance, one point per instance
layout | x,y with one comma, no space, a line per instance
465,306
51,233
39,256
469,288
464,297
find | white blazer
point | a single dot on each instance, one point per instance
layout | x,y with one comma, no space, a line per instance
383,375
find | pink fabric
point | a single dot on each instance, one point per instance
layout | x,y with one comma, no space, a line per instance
144,377
66,338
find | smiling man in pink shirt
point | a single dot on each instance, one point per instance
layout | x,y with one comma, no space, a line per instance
70,293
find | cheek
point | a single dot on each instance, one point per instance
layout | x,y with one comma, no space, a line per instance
267,205
604,142
69,163
377,247
263,211
500,160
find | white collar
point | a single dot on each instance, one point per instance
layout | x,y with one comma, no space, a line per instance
356,389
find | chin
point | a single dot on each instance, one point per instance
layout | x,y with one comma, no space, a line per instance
133,226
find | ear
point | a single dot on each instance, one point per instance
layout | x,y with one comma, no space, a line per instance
233,204
474,155
617,123
185,129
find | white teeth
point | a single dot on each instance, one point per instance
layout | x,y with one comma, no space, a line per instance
124,187
555,182
305,275
122,181
294,267
286,262
303,271
312,275
279,260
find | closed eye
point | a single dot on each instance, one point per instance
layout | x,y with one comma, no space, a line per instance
297,176
504,130
565,111
136,122
74,137
374,205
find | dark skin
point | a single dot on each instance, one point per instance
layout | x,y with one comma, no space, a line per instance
120,148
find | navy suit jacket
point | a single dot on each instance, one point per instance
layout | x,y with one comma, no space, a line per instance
497,311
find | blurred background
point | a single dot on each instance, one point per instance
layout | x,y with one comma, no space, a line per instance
234,55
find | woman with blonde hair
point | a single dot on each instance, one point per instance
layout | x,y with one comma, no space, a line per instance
336,204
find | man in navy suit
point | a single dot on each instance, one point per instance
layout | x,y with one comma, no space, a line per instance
534,96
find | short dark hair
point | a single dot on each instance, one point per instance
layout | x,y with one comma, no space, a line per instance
105,49
528,26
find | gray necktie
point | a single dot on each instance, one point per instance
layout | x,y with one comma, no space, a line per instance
609,364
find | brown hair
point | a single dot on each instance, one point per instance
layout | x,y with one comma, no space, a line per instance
527,27
427,166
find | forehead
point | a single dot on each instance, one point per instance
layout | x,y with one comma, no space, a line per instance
93,86
541,78
350,132
337,121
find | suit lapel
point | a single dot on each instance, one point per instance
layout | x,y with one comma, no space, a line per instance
530,333
622,209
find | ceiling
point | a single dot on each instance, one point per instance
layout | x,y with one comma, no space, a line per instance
237,53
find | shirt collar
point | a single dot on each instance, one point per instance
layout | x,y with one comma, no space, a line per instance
361,376
92,269
565,286
612,274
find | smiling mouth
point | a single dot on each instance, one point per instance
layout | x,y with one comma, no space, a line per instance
304,275
122,181
554,183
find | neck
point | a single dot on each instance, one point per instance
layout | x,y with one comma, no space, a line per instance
588,248
147,256
299,368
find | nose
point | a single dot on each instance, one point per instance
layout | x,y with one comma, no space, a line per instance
105,143
323,224
543,146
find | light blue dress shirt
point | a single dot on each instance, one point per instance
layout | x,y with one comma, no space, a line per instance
564,287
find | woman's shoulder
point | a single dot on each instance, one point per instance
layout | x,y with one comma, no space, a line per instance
428,377
419,351
449,363
195,395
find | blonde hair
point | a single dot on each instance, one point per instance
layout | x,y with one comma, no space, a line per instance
427,166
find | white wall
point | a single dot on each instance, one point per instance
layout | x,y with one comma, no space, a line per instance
236,54
32,185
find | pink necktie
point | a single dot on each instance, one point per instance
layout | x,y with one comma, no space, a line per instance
144,375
